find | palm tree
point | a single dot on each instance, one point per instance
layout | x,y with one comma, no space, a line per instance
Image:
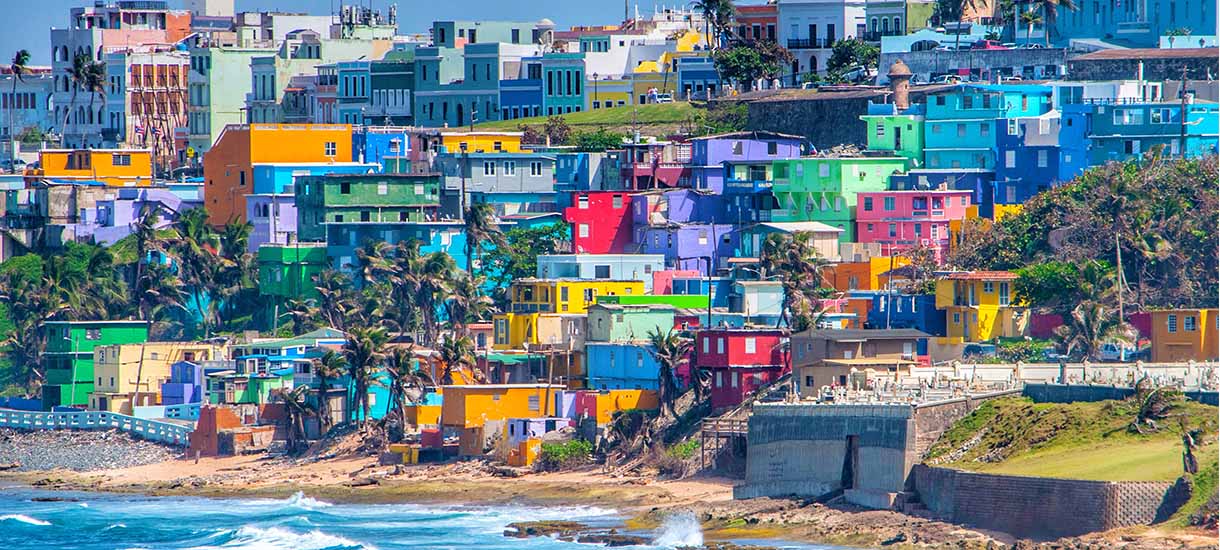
158,292
373,262
961,6
457,352
19,66
466,301
794,259
194,248
330,366
1089,326
95,83
335,301
365,353
296,409
1050,14
671,350
717,16
408,384
30,304
78,74
481,231
1029,18
305,315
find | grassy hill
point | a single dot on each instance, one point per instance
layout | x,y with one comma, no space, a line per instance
659,119
1015,436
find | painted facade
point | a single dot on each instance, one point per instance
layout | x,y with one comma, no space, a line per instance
1180,335
823,189
69,358
111,167
901,221
980,306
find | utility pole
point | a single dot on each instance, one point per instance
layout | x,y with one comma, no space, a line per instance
1120,281
1182,114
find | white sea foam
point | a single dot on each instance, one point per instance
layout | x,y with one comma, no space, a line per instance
83,504
115,526
24,519
299,500
680,530
278,538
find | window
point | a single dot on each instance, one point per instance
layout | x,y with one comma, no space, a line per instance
957,318
330,149
823,171
489,168
706,344
383,188
961,130
582,202
1004,299
1131,146
1042,159
583,231
1012,126
510,167
751,345
1010,159
121,159
601,272
345,188
889,203
1171,323
868,204
988,287
918,230
535,168
893,230
93,334
720,345
772,148
1188,323
616,202
880,130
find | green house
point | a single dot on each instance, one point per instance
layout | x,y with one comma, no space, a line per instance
227,388
628,323
823,189
898,135
286,272
68,357
364,198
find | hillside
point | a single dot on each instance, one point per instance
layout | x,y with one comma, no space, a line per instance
1015,436
657,120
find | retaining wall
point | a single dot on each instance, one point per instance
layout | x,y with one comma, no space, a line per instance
164,432
1070,393
1041,508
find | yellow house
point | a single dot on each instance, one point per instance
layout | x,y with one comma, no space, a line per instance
607,93
864,275
566,295
482,142
612,401
520,330
122,370
113,167
979,306
1180,335
471,406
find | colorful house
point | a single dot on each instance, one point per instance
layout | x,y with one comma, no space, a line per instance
270,205
473,406
228,168
656,165
480,142
980,306
838,357
825,237
741,361
623,365
287,272
709,153
628,323
1180,335
68,357
601,222
865,275
896,310
129,375
677,301
898,134
699,247
619,267
901,221
959,127
111,167
364,198
1124,131
823,189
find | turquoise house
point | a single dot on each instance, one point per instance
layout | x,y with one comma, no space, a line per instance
1124,131
960,124
628,322
563,81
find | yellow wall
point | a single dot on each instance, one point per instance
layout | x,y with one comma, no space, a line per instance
97,165
510,142
984,318
613,401
867,274
423,415
531,328
471,406
117,368
613,91
1200,344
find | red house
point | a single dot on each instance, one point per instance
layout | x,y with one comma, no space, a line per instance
656,165
601,222
740,360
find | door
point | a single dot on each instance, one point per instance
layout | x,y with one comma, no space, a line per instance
851,462
897,138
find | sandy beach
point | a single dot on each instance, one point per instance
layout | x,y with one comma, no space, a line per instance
643,500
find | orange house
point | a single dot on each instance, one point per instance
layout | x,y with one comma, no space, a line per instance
1180,335
866,275
228,167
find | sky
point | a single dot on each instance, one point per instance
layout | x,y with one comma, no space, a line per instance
30,29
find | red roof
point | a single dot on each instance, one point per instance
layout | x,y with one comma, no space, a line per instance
983,276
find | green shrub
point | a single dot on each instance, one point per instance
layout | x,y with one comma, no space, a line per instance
684,450
565,454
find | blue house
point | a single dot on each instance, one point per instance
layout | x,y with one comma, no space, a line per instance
959,127
1137,24
722,289
1031,158
1124,131
895,310
521,97
621,366
697,76
584,172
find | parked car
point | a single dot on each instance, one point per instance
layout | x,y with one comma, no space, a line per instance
1033,46
665,98
947,79
1116,351
975,352
1013,78
12,164
987,45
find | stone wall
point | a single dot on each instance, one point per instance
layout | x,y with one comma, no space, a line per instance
824,122
800,450
1040,508
934,62
1071,393
1197,68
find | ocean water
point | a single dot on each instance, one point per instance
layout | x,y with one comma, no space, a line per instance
130,522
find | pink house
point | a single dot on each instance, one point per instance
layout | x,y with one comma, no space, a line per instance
902,220
663,281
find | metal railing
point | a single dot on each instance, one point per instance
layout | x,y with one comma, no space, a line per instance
152,430
808,43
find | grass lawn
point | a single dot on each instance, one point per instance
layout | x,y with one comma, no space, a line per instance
617,118
1076,440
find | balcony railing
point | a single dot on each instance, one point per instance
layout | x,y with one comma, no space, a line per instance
749,186
808,43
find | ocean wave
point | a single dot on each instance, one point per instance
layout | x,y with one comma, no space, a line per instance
299,500
24,519
276,538
114,526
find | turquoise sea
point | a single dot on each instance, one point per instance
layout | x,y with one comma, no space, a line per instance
91,521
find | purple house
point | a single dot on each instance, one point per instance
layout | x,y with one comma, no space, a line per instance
691,246
709,153
680,206
273,218
187,382
113,218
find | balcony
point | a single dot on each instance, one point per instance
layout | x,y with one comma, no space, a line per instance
747,186
808,43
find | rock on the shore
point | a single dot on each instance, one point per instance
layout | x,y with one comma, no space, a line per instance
80,451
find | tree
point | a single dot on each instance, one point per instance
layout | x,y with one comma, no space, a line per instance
556,130
518,259
481,232
1029,18
748,63
597,141
29,304
717,17
296,410
330,366
95,84
408,384
671,350
364,352
466,302
1050,14
852,52
78,74
793,258
1088,327
955,9
19,67
456,353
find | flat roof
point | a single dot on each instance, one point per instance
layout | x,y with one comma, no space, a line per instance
847,335
1149,53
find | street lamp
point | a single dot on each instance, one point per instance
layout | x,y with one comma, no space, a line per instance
595,78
